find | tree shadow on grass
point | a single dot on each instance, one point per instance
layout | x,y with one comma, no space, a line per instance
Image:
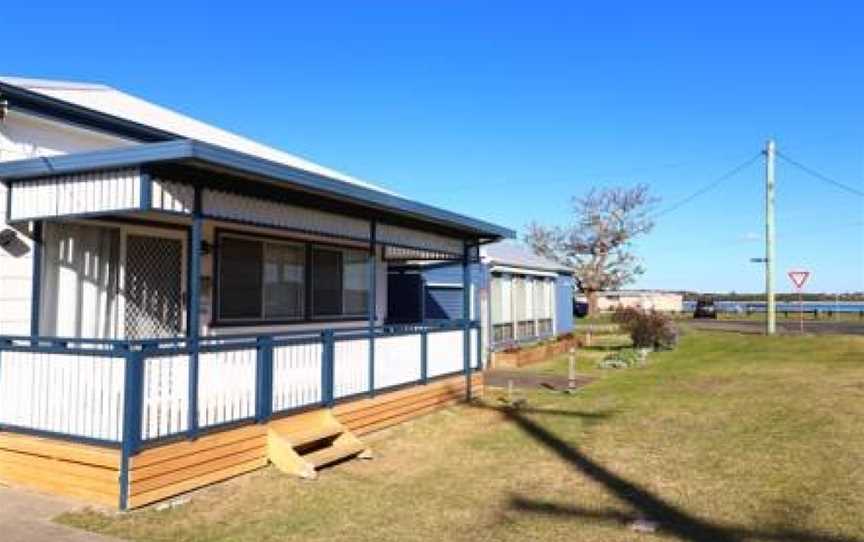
646,505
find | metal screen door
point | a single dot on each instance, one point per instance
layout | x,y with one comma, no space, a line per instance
154,287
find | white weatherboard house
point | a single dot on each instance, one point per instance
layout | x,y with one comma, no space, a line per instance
179,304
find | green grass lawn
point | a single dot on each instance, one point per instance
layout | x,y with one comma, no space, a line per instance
728,438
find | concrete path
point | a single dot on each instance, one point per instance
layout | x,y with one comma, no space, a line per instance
26,517
500,378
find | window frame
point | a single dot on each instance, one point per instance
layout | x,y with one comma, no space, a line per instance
216,320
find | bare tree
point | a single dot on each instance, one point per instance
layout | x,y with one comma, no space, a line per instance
598,243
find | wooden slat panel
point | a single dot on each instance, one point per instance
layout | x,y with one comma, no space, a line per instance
195,483
398,411
197,471
69,451
395,420
184,462
455,391
49,484
102,475
178,449
457,381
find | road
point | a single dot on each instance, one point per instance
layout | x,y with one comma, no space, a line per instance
850,327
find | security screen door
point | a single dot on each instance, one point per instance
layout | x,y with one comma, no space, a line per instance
154,287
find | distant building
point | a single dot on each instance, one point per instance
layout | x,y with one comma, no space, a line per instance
645,299
522,297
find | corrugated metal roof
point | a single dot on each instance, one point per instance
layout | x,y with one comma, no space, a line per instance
515,254
110,101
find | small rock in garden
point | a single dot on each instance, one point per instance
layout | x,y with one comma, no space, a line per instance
644,526
173,503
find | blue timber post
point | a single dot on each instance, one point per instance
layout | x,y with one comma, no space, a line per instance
466,316
36,287
132,410
193,310
328,347
146,195
424,353
264,394
372,305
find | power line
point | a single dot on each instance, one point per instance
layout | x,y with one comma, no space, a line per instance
821,177
710,186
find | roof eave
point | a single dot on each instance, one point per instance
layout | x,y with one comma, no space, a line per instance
34,103
192,150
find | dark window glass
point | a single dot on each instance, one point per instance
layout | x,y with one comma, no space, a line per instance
356,281
283,280
240,262
326,282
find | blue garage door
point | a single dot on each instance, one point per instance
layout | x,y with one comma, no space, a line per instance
443,302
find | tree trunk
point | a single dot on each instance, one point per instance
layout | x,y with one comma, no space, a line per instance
593,308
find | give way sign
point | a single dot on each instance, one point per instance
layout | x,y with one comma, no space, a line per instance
799,278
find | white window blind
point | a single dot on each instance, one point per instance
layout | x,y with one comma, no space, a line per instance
506,300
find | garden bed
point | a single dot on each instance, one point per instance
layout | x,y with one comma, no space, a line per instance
530,354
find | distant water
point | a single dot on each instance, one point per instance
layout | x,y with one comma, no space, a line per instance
759,306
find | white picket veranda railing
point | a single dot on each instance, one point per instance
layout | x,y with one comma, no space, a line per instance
296,376
397,360
76,394
226,386
82,392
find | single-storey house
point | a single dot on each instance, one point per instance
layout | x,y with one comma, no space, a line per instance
180,304
657,300
517,295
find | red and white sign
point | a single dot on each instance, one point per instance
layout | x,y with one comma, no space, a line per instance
799,278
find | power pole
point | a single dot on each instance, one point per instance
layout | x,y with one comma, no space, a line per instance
770,313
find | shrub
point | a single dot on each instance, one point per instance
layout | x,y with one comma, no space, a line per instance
622,359
648,329
624,316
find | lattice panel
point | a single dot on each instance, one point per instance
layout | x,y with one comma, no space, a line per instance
154,297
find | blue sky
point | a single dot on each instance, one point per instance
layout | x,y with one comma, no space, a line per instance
505,110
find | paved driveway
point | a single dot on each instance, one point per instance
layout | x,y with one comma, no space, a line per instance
26,517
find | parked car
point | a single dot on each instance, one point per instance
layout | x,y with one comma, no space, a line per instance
580,309
705,308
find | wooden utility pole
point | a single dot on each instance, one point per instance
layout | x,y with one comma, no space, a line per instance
770,312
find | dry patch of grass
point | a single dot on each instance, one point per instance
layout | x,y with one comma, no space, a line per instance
728,438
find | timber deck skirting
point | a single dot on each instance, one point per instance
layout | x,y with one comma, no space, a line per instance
91,473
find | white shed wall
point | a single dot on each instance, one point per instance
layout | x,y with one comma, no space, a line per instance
25,136
15,280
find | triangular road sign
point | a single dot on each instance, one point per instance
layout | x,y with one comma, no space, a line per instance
799,278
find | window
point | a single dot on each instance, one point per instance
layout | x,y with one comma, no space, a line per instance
260,280
240,279
340,282
283,281
356,282
263,280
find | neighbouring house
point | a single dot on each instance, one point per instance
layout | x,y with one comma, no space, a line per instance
657,300
180,305
521,297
